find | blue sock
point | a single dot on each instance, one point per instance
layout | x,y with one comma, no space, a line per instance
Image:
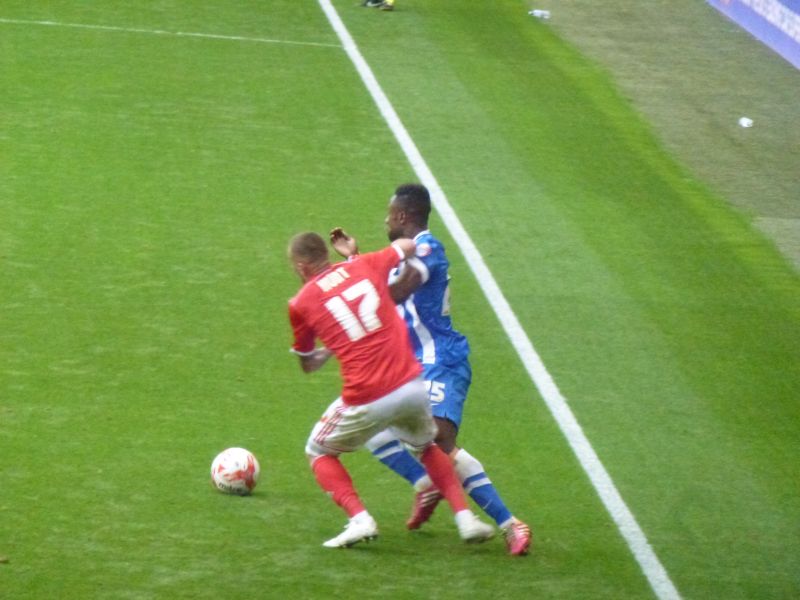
488,499
395,456
480,488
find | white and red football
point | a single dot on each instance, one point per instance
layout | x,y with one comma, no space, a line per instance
235,471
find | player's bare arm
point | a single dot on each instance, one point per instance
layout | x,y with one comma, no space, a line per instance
313,361
344,244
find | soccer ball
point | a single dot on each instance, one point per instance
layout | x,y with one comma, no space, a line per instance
235,471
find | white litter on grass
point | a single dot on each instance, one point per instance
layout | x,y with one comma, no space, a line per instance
745,122
539,14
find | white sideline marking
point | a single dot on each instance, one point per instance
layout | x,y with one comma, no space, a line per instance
611,498
213,36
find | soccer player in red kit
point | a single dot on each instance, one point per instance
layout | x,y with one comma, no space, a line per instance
347,307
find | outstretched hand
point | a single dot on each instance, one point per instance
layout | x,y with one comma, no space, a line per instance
343,244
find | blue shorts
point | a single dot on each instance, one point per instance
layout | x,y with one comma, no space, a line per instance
447,389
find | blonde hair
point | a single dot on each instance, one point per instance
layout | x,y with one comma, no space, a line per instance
308,247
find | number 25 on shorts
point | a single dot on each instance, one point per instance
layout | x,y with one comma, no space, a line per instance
435,391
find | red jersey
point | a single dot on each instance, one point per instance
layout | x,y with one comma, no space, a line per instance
348,307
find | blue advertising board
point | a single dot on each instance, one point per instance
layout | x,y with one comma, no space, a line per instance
776,23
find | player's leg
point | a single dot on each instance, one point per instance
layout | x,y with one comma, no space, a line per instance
338,431
479,487
446,395
415,426
335,481
392,452
440,469
449,389
472,475
482,491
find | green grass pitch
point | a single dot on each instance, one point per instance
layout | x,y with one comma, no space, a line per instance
149,183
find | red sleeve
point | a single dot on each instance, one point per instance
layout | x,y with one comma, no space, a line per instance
384,260
304,338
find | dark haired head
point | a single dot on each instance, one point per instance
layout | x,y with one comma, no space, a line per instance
415,201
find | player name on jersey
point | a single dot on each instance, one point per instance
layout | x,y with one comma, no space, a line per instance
332,279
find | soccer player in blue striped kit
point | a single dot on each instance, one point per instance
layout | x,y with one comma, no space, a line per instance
421,289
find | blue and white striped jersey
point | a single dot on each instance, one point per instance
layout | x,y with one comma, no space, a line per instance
427,311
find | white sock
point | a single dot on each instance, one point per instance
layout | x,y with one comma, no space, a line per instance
464,517
360,517
468,466
423,483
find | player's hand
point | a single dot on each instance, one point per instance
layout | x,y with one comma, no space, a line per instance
311,362
344,244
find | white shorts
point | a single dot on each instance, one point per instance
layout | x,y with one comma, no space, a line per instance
406,412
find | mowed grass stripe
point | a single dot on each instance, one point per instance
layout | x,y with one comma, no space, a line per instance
212,36
144,311
144,318
153,186
668,322
602,482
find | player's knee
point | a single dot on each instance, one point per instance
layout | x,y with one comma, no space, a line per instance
313,452
417,449
446,435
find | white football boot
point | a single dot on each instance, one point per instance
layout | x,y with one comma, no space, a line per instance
471,529
361,527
